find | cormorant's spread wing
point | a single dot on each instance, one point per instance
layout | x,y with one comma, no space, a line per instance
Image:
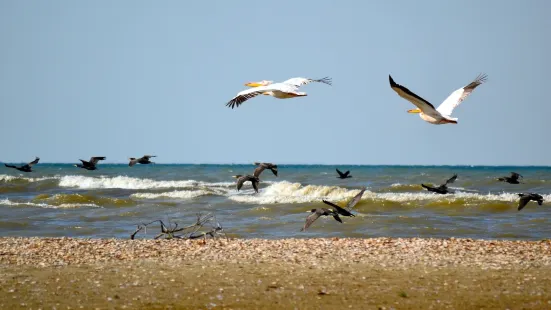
340,172
337,218
94,160
310,219
240,181
523,202
258,170
355,200
451,180
34,162
255,185
337,208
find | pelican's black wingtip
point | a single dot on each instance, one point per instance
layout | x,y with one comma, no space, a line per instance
391,80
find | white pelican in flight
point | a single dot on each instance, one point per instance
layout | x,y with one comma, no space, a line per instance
442,114
284,90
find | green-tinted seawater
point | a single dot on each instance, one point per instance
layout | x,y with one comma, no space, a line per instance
61,200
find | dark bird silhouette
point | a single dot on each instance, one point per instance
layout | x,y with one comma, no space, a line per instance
346,210
90,165
316,213
339,210
144,160
262,166
244,178
526,197
26,167
513,179
343,175
442,189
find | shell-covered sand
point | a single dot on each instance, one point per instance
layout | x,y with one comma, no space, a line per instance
386,252
378,273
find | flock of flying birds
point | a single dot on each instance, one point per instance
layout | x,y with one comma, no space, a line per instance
336,211
513,179
86,164
437,116
290,89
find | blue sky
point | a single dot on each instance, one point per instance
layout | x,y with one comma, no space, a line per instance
126,78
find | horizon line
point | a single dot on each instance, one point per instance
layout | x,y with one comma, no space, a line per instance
311,164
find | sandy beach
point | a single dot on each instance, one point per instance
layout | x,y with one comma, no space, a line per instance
378,273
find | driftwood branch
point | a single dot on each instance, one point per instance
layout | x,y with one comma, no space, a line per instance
194,231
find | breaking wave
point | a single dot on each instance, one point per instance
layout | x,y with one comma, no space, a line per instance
82,200
8,202
124,182
176,194
286,192
5,178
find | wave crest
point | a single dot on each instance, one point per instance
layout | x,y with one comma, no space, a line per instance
8,202
286,192
176,194
82,200
125,182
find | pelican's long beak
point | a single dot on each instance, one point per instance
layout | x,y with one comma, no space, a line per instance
414,111
253,84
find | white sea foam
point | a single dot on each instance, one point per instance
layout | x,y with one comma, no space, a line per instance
124,182
286,192
175,194
10,178
7,202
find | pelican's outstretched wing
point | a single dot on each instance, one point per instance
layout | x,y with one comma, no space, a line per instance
244,96
423,105
453,100
299,81
255,91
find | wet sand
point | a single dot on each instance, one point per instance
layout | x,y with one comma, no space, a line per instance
378,273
